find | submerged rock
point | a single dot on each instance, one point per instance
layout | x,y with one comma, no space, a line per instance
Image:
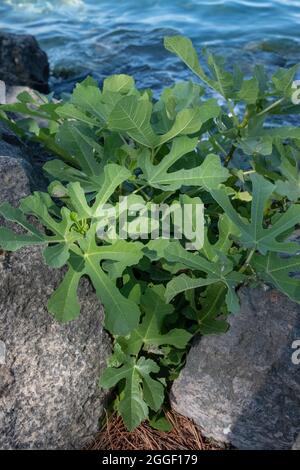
22,62
243,387
49,395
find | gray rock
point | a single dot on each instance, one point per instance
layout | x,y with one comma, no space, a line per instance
22,62
2,353
9,144
12,173
242,387
296,446
32,157
9,94
49,395
2,92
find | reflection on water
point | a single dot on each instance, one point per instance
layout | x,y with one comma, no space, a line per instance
103,37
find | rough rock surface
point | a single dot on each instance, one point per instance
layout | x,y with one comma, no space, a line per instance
9,94
242,387
22,62
49,396
10,145
32,156
14,182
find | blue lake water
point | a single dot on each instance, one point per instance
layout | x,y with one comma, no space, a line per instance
125,36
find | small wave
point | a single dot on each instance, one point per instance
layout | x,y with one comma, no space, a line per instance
43,6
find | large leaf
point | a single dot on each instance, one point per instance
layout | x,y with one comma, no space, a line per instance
61,239
215,272
70,111
289,168
253,234
61,171
132,116
288,132
82,144
64,304
122,314
150,331
280,272
112,176
222,81
185,50
88,98
227,229
140,391
11,241
283,80
118,84
211,307
249,91
180,96
189,121
208,175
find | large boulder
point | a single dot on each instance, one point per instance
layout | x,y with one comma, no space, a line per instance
243,387
10,146
49,395
33,158
22,62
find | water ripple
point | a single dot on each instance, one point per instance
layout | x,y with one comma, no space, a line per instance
103,37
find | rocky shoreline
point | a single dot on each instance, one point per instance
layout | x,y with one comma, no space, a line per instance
49,393
23,63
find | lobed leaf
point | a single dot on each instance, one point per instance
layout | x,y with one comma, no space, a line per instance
280,272
253,234
210,174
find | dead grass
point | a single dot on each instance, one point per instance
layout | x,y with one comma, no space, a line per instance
184,436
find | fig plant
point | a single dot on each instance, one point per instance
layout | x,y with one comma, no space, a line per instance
214,142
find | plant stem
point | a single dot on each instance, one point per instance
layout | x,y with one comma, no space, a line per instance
123,138
273,105
247,262
139,189
229,155
245,121
157,150
217,144
143,192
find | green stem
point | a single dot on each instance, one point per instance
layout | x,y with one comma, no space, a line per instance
244,122
217,144
140,189
273,105
156,150
123,138
247,262
229,156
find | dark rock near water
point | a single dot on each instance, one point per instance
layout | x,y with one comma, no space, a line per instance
49,395
10,146
22,62
242,387
32,158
